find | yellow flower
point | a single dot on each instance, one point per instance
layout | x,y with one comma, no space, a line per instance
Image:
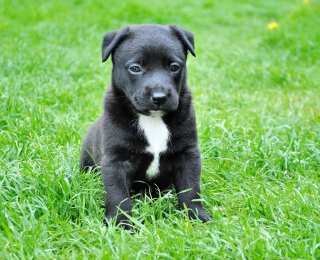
273,25
306,1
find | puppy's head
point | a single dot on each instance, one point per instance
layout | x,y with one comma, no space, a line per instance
149,64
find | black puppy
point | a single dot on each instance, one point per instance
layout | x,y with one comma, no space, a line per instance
147,133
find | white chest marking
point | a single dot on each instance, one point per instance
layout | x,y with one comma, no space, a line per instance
157,135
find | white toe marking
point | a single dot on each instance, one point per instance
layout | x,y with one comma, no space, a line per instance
157,135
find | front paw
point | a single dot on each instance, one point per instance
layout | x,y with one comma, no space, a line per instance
199,213
120,220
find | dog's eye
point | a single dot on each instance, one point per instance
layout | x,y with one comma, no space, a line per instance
135,69
174,67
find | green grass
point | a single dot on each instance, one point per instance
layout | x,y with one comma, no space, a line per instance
257,99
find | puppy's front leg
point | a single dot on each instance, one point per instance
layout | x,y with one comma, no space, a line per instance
116,180
187,184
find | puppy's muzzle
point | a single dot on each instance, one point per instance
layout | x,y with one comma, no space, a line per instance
155,98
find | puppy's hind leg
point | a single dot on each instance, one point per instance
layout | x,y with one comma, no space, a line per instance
91,148
86,159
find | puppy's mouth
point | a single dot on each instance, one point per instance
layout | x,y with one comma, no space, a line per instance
152,110
153,113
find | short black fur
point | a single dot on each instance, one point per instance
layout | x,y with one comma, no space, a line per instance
116,144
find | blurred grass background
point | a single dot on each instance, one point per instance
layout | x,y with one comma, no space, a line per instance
257,98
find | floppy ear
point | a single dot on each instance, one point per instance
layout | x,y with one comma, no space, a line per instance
111,40
185,37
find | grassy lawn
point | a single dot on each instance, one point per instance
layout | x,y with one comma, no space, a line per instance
257,98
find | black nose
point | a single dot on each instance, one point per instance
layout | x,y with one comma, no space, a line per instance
159,98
